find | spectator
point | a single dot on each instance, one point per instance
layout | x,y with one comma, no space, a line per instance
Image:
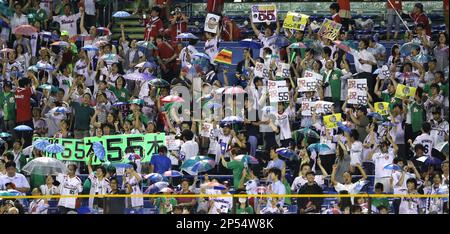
393,19
160,163
310,205
17,180
115,205
69,184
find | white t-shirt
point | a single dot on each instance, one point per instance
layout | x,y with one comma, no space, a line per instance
211,48
224,204
299,181
438,131
277,188
356,153
381,160
38,206
427,141
89,6
409,205
69,186
396,177
49,191
18,180
268,42
17,21
189,149
283,123
365,55
136,189
183,54
68,23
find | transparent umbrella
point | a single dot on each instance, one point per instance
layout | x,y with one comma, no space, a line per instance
45,166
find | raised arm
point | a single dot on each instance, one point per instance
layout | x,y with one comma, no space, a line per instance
255,30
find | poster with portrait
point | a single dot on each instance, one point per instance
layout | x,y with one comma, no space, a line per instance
211,23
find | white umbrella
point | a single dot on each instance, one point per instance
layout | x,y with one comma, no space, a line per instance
45,166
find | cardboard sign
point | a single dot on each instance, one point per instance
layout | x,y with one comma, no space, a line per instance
283,70
264,13
261,70
323,107
356,96
307,108
381,108
405,92
384,72
172,143
311,74
329,29
144,145
330,121
359,84
295,21
278,91
307,84
206,130
211,23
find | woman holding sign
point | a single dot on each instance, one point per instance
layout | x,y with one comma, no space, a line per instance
268,38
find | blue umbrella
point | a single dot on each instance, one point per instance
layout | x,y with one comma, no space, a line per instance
287,153
23,128
232,120
33,68
54,148
421,58
202,56
156,187
99,150
430,160
375,115
307,132
40,144
154,177
146,65
393,167
405,49
203,165
121,14
90,48
281,41
186,36
139,76
120,103
343,127
388,124
5,134
44,66
212,105
249,43
318,147
172,173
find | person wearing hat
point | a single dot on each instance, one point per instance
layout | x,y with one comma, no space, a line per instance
178,23
8,105
419,17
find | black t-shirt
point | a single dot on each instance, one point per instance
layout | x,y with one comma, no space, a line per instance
115,205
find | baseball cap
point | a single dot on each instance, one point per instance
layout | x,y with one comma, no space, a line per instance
64,33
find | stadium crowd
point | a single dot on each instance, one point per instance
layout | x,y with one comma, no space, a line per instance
64,77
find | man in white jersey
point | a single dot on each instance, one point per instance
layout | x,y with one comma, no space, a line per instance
268,38
439,127
383,155
69,184
187,53
68,21
221,205
424,139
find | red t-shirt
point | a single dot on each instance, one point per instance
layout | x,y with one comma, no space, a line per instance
446,6
177,28
165,50
344,4
421,18
396,3
336,18
23,110
153,29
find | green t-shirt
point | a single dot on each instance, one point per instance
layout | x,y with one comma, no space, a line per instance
335,84
143,118
386,97
237,167
443,88
83,114
417,115
8,104
122,94
162,202
376,202
246,210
